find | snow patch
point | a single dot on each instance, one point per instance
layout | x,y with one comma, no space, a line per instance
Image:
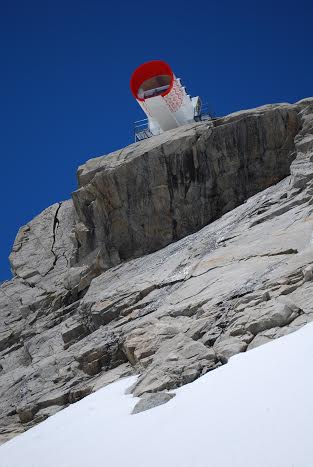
256,411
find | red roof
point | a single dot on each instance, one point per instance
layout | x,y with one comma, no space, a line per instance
149,70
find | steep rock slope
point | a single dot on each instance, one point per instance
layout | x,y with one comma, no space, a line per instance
154,270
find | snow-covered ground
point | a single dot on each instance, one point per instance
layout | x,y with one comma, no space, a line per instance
256,411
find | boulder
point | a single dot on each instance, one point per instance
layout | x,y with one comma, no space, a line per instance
149,401
178,361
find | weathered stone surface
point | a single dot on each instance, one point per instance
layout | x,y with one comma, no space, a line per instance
43,247
73,331
178,361
308,273
141,344
227,346
137,201
89,307
149,401
261,317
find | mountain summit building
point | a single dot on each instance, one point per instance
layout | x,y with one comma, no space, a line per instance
163,98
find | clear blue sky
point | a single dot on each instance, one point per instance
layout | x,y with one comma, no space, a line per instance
65,69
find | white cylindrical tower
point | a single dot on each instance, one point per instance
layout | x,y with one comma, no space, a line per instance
162,97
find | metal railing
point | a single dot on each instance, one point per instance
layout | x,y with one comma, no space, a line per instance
206,113
141,127
141,130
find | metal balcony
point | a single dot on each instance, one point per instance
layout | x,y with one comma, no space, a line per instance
141,127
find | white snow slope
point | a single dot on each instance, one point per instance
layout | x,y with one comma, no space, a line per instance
256,411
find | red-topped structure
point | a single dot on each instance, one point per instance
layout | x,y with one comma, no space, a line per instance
151,75
162,97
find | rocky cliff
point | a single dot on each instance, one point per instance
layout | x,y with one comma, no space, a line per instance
173,254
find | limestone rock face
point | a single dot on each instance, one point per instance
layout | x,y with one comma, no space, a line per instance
175,254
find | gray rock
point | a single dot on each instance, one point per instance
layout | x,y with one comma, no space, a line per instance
142,343
73,331
153,269
149,401
43,247
133,202
178,361
279,314
227,346
308,273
